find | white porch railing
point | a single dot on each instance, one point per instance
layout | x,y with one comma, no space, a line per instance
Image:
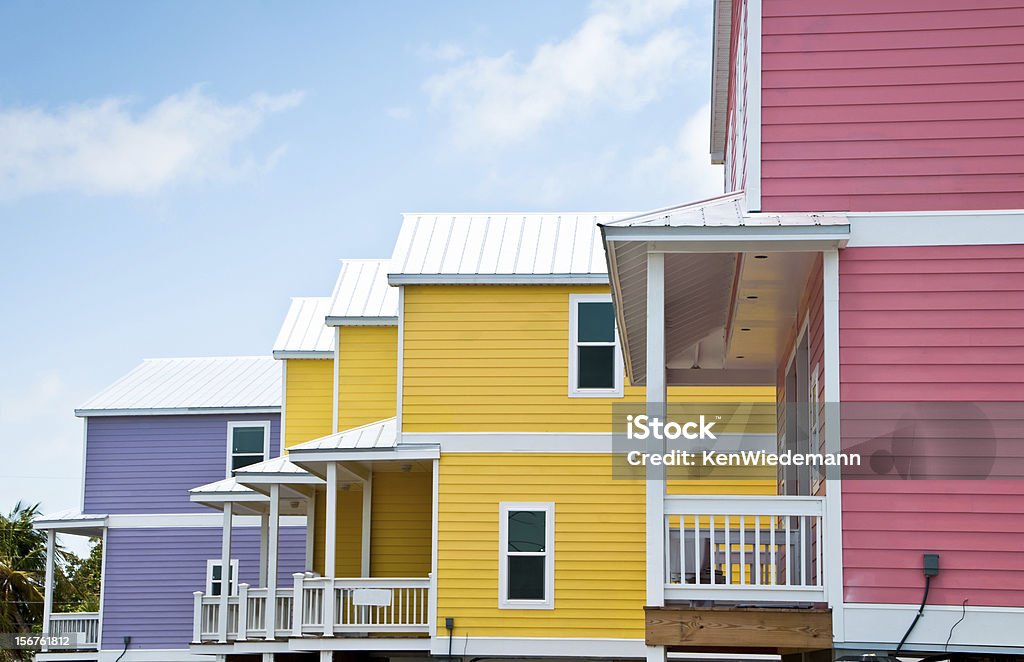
744,548
367,605
82,627
339,606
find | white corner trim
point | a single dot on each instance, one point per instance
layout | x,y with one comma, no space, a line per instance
833,534
548,508
284,407
401,364
753,106
334,396
85,459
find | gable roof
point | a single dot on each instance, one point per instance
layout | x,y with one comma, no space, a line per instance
372,436
192,386
304,333
362,296
500,248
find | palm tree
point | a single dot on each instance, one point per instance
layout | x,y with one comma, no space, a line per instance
22,569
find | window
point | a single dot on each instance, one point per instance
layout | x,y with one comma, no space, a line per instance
247,443
595,362
526,573
215,578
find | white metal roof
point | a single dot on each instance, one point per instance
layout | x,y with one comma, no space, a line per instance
381,435
304,334
725,211
362,295
225,486
501,248
192,386
277,465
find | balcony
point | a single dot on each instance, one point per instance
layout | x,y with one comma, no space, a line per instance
744,549
326,607
82,628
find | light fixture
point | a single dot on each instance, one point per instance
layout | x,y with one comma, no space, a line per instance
760,257
406,468
744,329
752,297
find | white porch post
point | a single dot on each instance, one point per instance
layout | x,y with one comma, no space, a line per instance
310,529
330,551
225,575
657,394
51,544
833,539
364,564
264,535
271,568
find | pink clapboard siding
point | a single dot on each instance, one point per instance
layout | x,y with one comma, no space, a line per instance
874,105
736,130
933,324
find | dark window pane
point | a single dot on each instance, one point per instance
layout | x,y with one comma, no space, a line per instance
214,588
215,572
239,461
526,577
596,367
526,531
247,440
595,322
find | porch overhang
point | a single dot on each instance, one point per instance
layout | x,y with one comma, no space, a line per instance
72,522
293,479
733,281
374,442
217,494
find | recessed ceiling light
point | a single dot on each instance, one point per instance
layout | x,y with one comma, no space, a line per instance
741,357
752,297
744,329
760,257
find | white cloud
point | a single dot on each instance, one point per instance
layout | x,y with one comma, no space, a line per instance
622,56
682,171
105,147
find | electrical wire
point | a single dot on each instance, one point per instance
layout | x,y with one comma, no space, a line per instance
920,612
963,615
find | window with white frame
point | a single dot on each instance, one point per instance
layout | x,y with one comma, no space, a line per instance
215,577
526,573
595,362
248,443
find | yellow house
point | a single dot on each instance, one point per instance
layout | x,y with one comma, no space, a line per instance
450,427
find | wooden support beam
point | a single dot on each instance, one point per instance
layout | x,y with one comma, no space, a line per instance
739,628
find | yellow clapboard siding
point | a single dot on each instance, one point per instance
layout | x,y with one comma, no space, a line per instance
486,358
367,374
348,538
309,400
400,532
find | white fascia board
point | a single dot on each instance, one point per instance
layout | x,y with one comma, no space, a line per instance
350,455
563,442
331,320
278,478
304,644
731,233
497,279
177,411
301,354
540,647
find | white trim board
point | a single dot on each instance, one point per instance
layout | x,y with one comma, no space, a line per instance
497,279
360,321
181,411
538,646
959,228
560,442
191,520
148,655
300,354
991,628
752,109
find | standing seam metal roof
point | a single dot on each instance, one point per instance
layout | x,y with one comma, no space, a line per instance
304,330
362,294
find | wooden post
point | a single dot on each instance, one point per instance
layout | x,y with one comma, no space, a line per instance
51,544
270,611
243,611
297,614
197,617
225,575
330,551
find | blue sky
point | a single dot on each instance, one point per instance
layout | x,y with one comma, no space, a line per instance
171,173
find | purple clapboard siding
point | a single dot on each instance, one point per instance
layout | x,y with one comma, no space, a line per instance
147,464
152,572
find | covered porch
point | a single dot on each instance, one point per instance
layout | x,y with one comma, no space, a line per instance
82,630
709,294
367,503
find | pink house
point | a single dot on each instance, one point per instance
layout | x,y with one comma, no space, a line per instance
869,263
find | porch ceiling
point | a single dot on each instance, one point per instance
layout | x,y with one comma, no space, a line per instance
733,286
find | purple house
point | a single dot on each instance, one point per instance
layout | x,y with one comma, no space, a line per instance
165,427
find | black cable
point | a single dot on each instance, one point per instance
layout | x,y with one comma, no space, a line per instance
963,615
127,641
920,612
